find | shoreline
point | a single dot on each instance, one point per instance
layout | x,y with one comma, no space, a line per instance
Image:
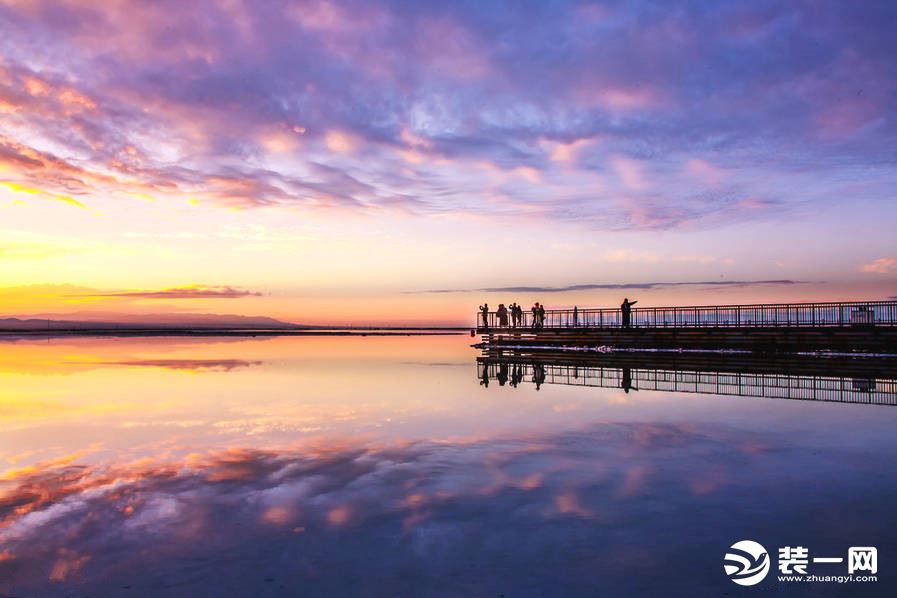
226,332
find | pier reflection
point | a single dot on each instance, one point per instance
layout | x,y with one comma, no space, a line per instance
866,380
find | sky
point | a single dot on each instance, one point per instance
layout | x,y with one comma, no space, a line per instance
395,162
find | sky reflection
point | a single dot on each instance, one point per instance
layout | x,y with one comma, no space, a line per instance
334,466
612,508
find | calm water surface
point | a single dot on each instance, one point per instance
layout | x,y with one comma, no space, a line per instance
381,466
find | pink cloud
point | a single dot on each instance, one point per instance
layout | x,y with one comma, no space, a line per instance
631,173
618,98
884,265
705,172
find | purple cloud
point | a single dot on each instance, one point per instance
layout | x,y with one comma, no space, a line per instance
681,116
632,285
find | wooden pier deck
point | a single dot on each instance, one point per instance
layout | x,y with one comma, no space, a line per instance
864,326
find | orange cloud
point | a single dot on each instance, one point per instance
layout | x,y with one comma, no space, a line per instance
340,142
17,188
339,515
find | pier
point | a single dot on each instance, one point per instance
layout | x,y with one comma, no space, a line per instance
856,326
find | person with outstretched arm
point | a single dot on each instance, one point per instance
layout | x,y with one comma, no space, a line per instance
626,310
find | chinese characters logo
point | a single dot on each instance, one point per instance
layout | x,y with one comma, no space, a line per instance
747,563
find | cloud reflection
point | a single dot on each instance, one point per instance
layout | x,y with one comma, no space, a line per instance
567,513
194,365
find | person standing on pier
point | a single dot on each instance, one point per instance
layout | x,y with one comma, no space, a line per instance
541,315
484,310
502,314
575,316
535,310
626,310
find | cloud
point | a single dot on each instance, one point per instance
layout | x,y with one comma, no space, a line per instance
631,173
30,251
596,286
373,107
882,265
188,292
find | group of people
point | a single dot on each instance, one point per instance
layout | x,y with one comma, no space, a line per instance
514,315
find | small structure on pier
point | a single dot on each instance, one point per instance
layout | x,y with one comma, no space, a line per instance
869,326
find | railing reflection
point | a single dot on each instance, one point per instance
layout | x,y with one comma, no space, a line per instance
830,387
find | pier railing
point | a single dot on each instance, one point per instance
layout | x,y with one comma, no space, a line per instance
804,315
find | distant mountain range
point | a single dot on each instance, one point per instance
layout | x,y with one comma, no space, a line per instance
105,321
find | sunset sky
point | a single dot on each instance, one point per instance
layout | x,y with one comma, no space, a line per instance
401,162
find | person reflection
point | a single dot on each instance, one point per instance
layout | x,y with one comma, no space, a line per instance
516,375
484,378
538,375
626,382
502,373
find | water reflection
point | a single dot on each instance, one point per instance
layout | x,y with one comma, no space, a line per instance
869,380
347,466
195,365
611,508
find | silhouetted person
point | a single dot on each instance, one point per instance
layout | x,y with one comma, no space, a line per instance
626,310
502,313
484,310
575,316
626,383
502,374
484,380
535,310
516,314
541,315
538,374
